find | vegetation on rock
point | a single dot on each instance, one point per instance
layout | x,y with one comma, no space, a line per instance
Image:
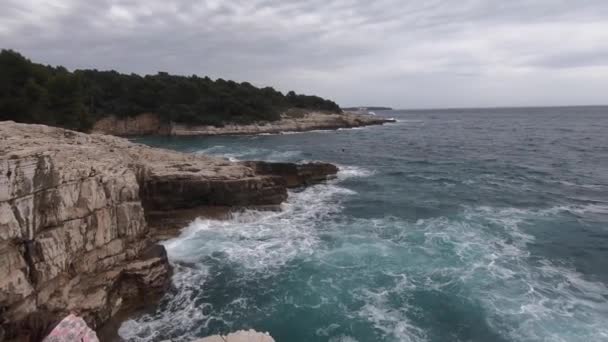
35,93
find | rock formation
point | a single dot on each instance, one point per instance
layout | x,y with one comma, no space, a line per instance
150,124
142,124
239,336
295,175
76,211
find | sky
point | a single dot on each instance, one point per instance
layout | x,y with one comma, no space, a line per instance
399,53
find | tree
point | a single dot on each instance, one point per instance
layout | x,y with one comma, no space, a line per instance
31,92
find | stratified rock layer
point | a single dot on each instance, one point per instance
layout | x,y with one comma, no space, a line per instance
295,175
151,124
74,212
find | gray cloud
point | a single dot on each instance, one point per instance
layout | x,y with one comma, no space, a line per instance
575,59
402,53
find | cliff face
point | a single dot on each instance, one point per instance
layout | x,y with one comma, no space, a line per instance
150,124
74,219
73,235
143,124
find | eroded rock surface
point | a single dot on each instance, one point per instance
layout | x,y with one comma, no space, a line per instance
75,213
295,175
239,336
142,124
151,124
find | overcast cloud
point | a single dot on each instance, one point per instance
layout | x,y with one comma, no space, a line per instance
406,54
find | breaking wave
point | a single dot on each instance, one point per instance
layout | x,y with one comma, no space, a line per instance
254,243
481,255
238,154
483,230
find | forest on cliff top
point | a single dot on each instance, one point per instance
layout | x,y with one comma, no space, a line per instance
37,93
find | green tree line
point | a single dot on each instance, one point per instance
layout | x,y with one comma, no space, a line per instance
36,93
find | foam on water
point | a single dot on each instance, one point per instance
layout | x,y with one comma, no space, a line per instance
346,171
484,251
258,239
393,322
258,243
239,154
181,314
471,230
527,297
343,338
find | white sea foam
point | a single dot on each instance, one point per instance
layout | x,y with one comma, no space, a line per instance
234,154
527,297
326,331
590,208
257,239
181,313
521,214
410,121
347,171
483,251
392,321
258,242
343,338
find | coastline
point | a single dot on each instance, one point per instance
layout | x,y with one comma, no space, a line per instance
151,124
82,215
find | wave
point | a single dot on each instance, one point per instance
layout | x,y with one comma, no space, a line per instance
484,252
256,243
392,321
240,154
375,273
346,171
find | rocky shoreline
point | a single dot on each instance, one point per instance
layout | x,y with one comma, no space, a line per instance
151,124
80,216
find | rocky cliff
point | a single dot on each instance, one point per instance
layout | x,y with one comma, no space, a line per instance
76,212
150,124
142,124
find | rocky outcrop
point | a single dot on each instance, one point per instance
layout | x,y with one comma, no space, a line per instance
239,336
295,175
150,124
76,213
306,122
73,235
142,124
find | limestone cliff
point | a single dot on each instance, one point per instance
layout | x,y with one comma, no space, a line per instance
142,124
150,124
75,213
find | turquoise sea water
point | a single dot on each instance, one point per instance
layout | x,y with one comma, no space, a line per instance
456,225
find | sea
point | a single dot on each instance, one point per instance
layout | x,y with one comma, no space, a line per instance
448,225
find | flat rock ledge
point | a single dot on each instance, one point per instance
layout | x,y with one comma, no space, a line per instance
79,214
151,124
239,336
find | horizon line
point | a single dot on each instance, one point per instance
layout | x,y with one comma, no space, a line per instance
484,107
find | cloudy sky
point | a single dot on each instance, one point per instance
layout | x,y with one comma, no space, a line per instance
402,53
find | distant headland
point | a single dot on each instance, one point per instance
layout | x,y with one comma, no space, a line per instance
130,104
366,108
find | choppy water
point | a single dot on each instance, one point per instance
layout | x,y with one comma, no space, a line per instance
462,225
